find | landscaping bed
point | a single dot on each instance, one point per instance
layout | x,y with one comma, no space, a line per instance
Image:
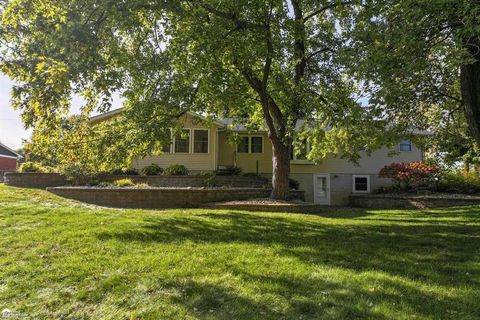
412,200
269,205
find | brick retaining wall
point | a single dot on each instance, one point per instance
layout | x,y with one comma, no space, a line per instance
189,181
33,179
156,197
388,201
44,180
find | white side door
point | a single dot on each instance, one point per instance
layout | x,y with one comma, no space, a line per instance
321,188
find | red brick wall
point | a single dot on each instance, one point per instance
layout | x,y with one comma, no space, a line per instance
8,164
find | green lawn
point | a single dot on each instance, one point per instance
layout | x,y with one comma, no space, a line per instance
61,259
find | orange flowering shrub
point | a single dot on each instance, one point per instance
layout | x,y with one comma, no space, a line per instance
410,174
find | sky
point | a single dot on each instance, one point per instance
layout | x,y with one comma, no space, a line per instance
12,130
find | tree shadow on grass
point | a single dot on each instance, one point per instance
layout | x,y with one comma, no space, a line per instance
314,300
436,254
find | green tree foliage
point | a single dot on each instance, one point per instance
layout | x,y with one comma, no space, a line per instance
262,63
416,58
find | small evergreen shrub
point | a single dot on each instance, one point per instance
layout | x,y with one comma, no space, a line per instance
176,170
293,184
229,171
152,170
123,183
209,178
125,172
256,176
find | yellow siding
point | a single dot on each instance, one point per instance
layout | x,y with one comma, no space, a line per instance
193,161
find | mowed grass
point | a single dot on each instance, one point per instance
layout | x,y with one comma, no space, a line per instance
60,259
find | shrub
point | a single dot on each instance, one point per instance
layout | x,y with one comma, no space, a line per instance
229,171
77,174
124,172
293,184
256,176
123,183
209,178
411,175
456,182
176,170
152,170
30,166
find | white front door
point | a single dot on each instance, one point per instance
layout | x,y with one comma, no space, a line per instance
321,188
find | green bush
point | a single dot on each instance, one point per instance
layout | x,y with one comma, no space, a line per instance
176,170
209,178
77,174
123,183
152,170
229,171
125,172
256,176
30,166
457,182
293,184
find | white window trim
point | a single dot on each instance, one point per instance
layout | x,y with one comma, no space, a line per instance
193,140
250,144
360,176
400,146
189,143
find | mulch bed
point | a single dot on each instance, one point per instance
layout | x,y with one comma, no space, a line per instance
268,205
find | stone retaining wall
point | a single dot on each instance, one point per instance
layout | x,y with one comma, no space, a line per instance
33,179
388,201
156,197
189,181
44,180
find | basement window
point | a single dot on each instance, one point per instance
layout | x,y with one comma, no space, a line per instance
361,183
406,146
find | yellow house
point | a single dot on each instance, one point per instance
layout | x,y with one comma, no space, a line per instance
208,147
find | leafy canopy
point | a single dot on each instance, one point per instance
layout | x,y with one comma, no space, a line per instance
248,60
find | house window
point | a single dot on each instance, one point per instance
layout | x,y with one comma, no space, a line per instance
243,145
406,145
182,142
200,141
256,145
361,184
301,153
166,148
248,144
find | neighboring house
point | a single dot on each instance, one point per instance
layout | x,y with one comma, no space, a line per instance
329,182
8,159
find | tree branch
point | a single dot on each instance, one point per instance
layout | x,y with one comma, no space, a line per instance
327,7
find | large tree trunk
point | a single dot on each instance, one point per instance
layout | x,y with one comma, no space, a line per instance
281,171
470,87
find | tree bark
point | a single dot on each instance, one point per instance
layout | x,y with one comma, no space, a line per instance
470,88
281,171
